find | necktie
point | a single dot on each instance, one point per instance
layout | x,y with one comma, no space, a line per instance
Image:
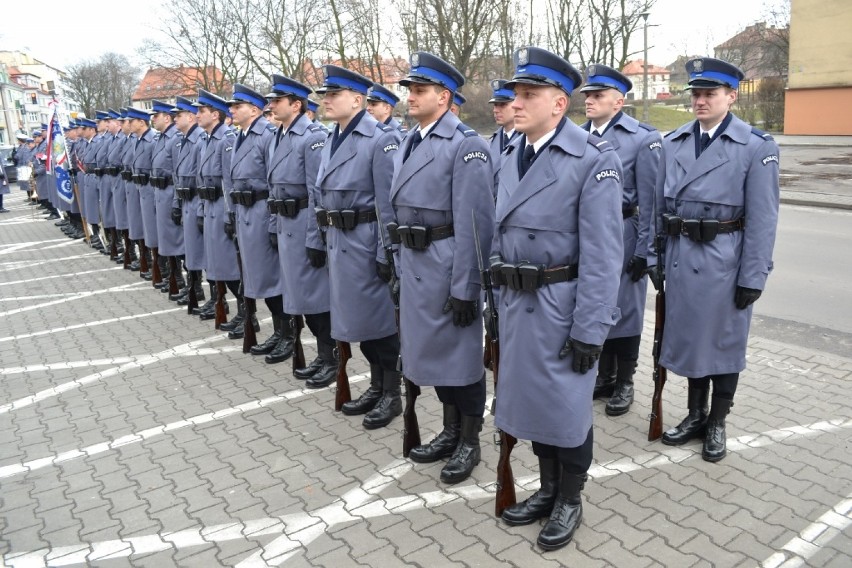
416,139
596,133
705,141
526,159
241,138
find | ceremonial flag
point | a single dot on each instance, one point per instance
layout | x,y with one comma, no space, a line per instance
57,154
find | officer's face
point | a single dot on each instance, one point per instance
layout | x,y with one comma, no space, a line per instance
341,105
379,109
538,109
603,105
184,120
504,115
244,114
283,110
207,117
426,102
125,126
711,105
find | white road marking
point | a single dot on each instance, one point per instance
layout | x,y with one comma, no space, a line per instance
297,530
12,247
18,264
89,324
77,296
95,449
68,275
798,550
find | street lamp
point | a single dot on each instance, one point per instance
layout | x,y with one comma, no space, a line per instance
645,71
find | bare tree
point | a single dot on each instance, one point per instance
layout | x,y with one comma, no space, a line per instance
103,83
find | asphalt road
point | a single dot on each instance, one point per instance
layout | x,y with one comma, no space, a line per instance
807,300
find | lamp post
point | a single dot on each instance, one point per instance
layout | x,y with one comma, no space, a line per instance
645,70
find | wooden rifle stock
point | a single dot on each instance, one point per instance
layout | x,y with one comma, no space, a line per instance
298,324
249,335
127,249
486,353
505,478
411,427
343,395
173,268
655,426
220,304
191,296
113,244
156,275
143,257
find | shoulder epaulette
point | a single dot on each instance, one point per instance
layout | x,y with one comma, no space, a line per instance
231,133
667,134
383,127
599,143
647,127
761,134
271,127
315,127
466,130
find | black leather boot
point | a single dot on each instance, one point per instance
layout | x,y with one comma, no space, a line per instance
715,440
238,319
208,310
165,272
183,289
284,348
370,397
327,373
239,331
444,444
539,504
693,426
312,368
270,344
389,406
467,454
622,396
605,380
566,515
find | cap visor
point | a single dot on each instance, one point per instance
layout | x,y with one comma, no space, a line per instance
594,87
706,84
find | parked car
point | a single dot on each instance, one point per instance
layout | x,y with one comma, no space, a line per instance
8,164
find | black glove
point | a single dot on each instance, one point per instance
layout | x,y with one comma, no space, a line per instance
384,271
199,222
230,228
316,257
744,297
655,273
177,216
637,266
273,240
585,355
464,311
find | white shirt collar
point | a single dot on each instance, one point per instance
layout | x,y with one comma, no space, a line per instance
602,127
537,145
424,131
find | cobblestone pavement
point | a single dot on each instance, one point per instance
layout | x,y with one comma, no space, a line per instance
135,435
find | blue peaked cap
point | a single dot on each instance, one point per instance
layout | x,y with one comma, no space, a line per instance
709,73
600,77
537,66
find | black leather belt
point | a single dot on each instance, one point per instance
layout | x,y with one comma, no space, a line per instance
185,192
161,182
99,172
629,212
288,207
700,230
418,237
530,277
344,219
141,179
248,197
127,175
210,193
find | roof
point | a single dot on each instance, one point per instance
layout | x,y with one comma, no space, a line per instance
389,70
635,67
170,82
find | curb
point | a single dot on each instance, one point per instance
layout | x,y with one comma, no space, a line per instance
822,204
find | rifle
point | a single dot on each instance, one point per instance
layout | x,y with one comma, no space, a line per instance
143,257
220,303
249,307
156,276
411,427
655,425
77,198
191,296
173,268
113,244
505,479
344,353
298,324
126,235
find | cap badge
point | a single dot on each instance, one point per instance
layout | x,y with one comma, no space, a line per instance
415,60
698,65
523,56
592,70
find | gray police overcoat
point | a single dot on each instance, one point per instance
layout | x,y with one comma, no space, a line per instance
261,270
355,177
214,170
119,198
496,147
142,157
639,147
565,211
444,179
131,192
169,234
186,172
292,171
91,195
104,182
735,177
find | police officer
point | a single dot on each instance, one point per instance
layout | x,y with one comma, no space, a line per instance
380,104
717,196
296,154
639,147
38,162
458,100
69,226
254,224
131,194
186,200
169,231
355,175
115,167
22,161
441,175
557,258
313,107
109,146
214,181
144,228
94,172
504,116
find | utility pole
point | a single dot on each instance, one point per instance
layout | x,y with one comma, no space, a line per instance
645,71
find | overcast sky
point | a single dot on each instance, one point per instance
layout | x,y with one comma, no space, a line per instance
680,27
